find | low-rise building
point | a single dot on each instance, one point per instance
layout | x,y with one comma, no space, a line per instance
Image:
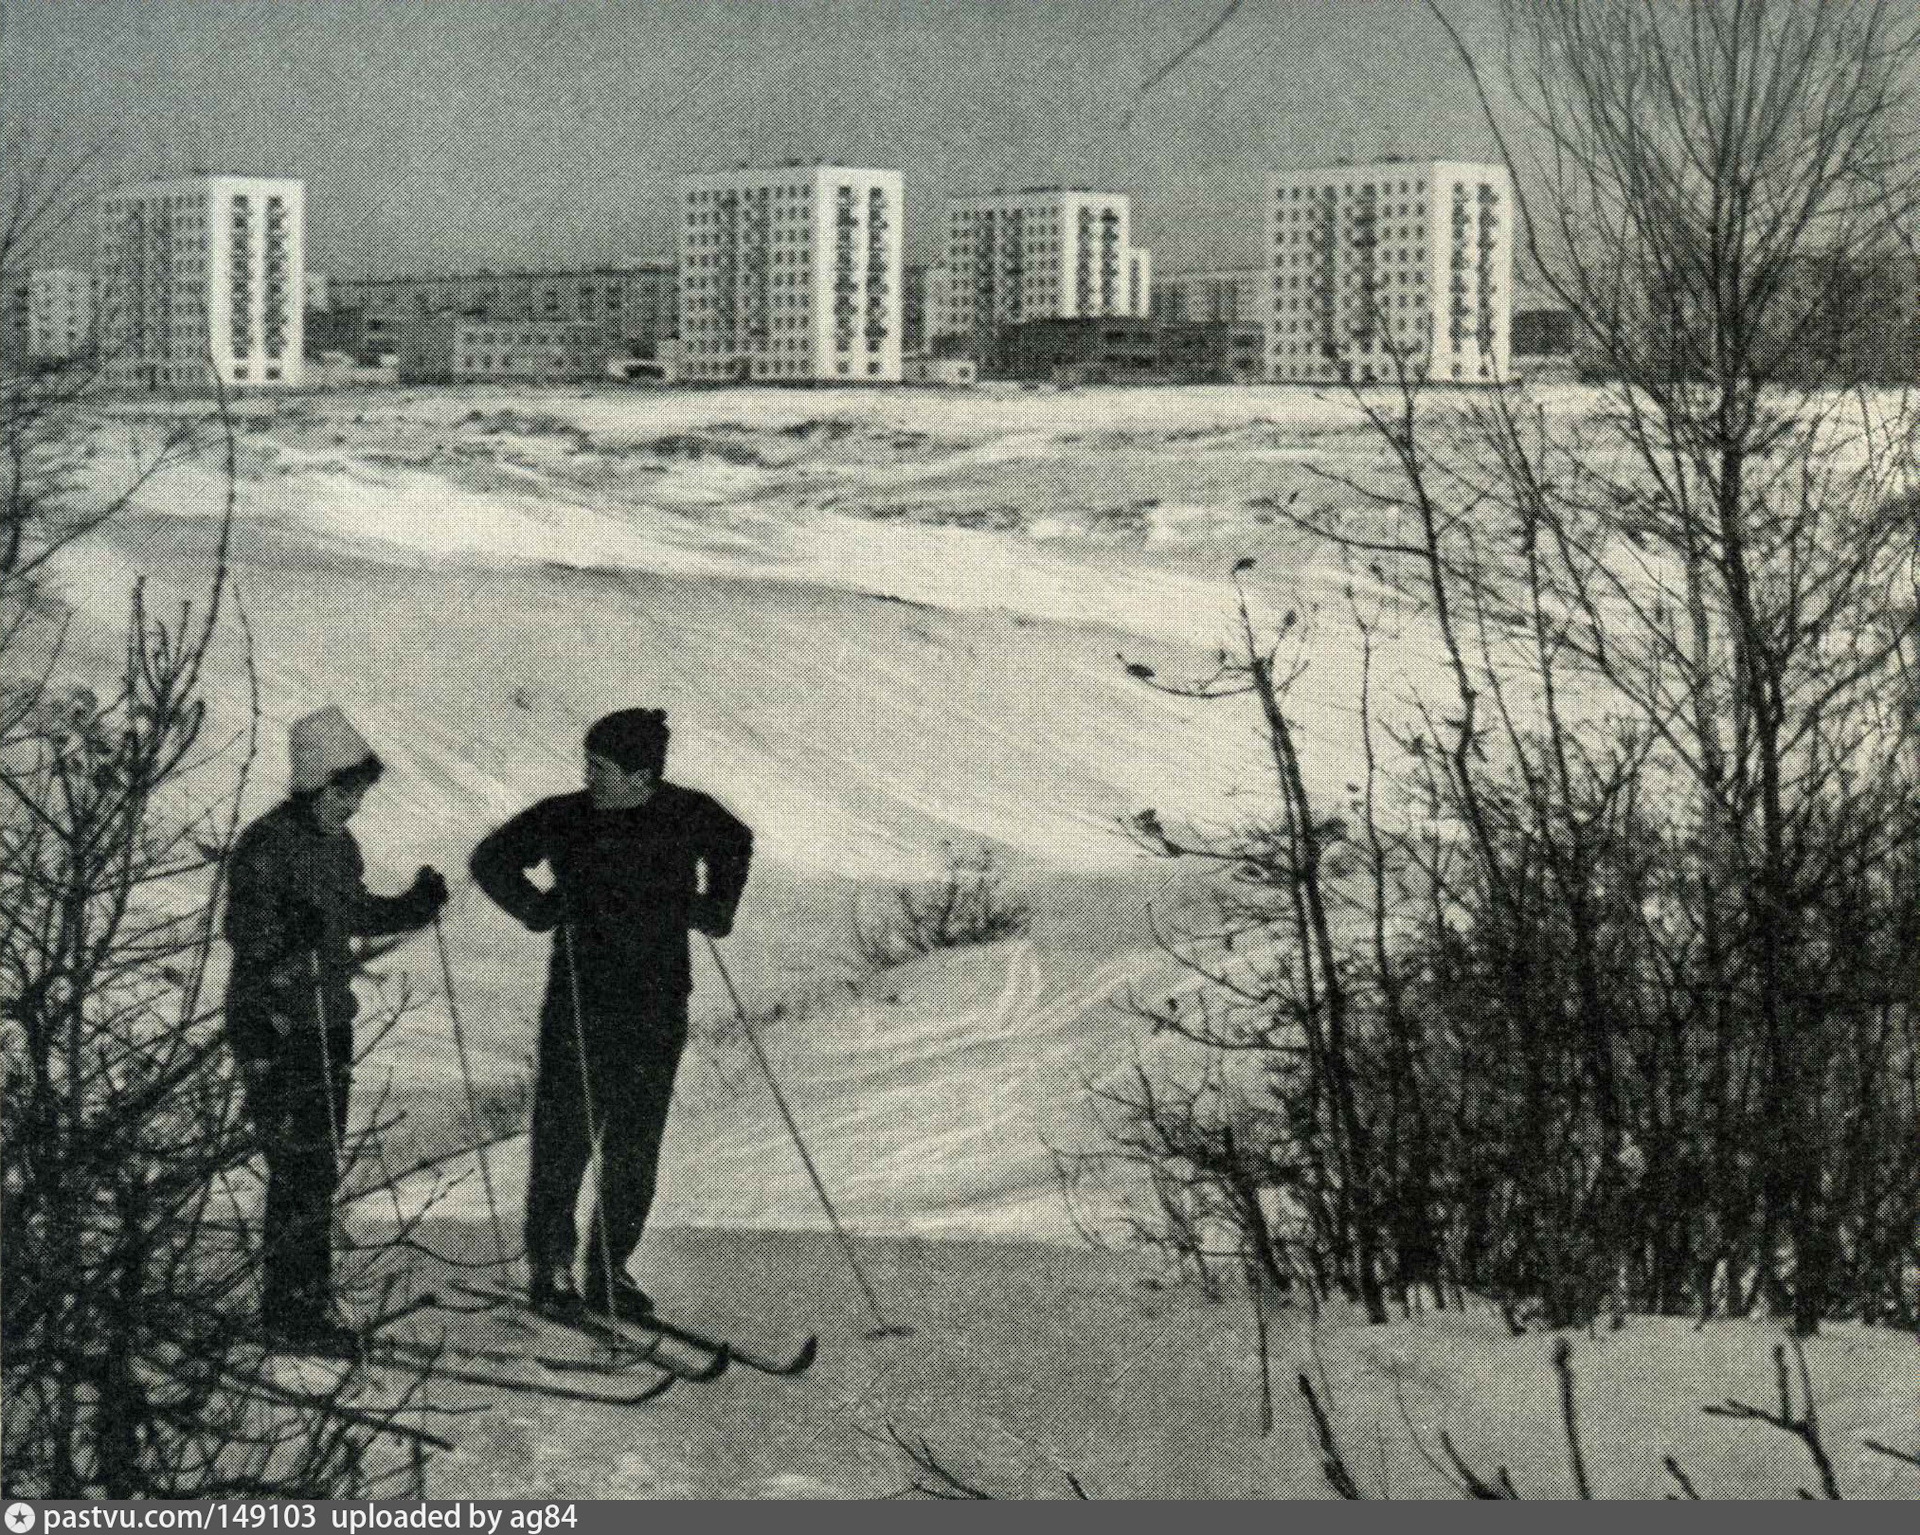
949,372
471,349
633,309
1095,350
1211,352
1131,351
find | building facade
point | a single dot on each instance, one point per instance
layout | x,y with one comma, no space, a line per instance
937,305
451,348
1371,263
1233,295
1046,253
633,309
1131,350
791,275
1212,351
202,279
53,315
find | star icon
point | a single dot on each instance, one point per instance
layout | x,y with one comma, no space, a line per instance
20,1518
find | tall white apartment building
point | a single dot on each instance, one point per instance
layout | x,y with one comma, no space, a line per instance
1367,261
791,274
203,278
1046,253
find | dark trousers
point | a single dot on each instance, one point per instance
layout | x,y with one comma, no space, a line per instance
300,1124
632,1060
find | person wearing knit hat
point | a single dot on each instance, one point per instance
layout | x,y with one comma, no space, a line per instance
296,900
636,862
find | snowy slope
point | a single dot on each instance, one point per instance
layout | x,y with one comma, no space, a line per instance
881,622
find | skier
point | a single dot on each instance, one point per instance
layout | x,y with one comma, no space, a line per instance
295,900
635,862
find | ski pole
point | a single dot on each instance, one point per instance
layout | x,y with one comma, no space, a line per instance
595,1149
326,1060
883,1328
473,1106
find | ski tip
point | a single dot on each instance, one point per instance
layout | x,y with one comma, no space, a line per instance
722,1357
804,1359
659,1388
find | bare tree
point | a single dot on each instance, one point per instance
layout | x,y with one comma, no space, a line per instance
1635,990
128,1273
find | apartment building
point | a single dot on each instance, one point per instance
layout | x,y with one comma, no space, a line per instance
51,315
1231,295
1044,253
937,305
632,309
1368,262
791,275
203,278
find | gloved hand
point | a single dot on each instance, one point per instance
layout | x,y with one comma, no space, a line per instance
548,914
430,889
711,916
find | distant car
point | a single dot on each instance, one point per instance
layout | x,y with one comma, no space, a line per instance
640,370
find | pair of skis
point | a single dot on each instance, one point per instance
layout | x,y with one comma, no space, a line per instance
639,1342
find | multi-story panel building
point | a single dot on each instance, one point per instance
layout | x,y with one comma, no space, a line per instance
14,302
937,305
203,278
1235,295
633,309
913,307
1046,253
1370,262
56,314
791,274
1139,281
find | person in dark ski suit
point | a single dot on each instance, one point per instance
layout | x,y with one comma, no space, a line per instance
636,862
295,901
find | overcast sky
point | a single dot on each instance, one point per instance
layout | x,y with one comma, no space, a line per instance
444,135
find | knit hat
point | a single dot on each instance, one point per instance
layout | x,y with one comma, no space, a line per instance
631,738
321,745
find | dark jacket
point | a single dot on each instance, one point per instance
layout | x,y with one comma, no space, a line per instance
628,883
294,891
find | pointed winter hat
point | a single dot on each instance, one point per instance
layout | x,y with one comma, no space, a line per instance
321,745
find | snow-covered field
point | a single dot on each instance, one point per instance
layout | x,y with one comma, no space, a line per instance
883,623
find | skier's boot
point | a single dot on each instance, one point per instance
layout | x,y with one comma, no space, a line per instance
625,1302
554,1294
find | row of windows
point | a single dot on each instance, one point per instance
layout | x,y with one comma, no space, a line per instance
1418,186
503,338
777,367
509,362
803,190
